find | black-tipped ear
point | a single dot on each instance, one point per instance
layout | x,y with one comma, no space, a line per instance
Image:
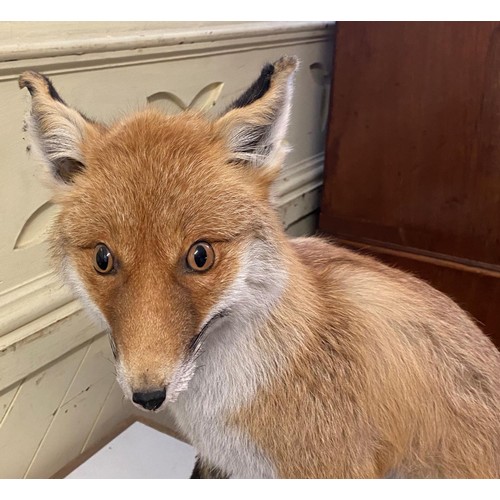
256,90
36,83
256,123
56,130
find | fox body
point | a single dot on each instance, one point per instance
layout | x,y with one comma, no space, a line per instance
278,357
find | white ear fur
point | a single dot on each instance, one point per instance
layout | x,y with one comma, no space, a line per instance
256,123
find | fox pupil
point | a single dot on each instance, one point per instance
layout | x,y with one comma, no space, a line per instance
102,258
200,256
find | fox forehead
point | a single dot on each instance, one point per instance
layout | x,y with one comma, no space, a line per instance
179,177
160,177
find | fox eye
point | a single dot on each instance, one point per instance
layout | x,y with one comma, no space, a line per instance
103,259
201,256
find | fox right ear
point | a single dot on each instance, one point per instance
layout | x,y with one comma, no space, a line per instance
56,130
255,124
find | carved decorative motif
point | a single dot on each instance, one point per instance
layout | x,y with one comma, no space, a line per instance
204,100
323,79
35,228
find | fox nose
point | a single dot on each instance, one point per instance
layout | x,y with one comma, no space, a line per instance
150,400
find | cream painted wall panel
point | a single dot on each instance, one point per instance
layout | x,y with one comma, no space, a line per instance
78,411
98,365
69,430
114,412
36,404
19,194
307,226
6,400
297,208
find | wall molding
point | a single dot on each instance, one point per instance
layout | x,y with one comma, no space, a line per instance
43,341
30,301
35,317
255,36
300,177
299,190
105,37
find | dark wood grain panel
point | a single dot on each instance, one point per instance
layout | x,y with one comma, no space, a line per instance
413,153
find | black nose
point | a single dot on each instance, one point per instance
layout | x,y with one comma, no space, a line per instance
149,400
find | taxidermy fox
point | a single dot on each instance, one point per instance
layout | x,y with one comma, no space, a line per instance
278,357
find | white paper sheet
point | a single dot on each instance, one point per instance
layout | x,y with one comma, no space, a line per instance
139,452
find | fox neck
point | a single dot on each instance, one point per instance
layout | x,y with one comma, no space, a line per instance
268,303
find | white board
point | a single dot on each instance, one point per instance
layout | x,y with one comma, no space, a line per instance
139,452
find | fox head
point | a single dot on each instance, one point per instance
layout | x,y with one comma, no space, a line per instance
166,224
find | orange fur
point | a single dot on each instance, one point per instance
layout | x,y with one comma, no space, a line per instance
406,383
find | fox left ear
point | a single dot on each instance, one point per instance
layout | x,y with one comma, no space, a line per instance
57,130
256,123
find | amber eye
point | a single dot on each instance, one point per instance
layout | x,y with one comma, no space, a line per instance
201,256
103,259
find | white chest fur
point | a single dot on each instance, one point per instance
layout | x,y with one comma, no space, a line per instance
226,379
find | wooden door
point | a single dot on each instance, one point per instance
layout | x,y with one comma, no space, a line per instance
413,155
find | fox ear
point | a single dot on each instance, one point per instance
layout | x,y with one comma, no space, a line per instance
56,130
256,123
